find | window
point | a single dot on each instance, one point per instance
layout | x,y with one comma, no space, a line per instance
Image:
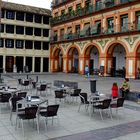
1,42
9,43
10,14
45,45
98,5
45,32
77,29
38,19
124,23
1,28
29,17
19,30
138,20
29,31
19,44
28,44
19,16
2,13
110,24
9,28
69,9
37,45
37,32
46,20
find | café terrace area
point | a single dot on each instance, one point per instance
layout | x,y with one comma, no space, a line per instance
70,122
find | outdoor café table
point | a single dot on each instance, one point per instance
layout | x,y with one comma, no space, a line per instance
9,90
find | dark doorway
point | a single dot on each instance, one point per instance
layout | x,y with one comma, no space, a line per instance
113,68
45,64
1,61
9,63
19,63
29,63
91,66
37,64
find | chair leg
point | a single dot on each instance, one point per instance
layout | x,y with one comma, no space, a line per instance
45,122
101,114
52,120
37,121
79,107
22,127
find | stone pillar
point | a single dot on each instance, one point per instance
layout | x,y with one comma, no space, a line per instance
4,63
33,65
41,67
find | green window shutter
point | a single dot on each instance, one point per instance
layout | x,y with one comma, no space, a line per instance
138,13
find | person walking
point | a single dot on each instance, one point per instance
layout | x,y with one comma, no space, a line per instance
86,71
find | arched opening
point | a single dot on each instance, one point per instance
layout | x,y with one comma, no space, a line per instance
92,59
73,60
116,60
138,62
58,55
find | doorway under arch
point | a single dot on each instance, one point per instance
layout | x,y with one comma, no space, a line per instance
116,60
92,58
58,56
137,73
73,60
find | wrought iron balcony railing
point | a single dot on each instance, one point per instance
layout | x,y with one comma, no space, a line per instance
87,10
96,31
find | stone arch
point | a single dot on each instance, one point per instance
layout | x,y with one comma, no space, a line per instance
113,43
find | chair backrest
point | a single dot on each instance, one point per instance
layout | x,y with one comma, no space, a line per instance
13,101
83,97
43,87
26,83
20,81
5,97
58,94
22,94
77,91
120,102
52,110
30,112
106,103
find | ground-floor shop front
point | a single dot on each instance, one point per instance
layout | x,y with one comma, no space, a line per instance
116,56
20,64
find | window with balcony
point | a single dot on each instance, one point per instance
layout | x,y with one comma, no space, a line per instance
28,44
1,42
9,43
9,28
55,36
19,44
138,20
37,45
46,20
62,32
98,5
20,16
110,25
109,3
10,14
69,33
2,13
124,23
45,46
37,31
29,30
20,30
38,19
78,9
29,17
1,28
77,30
46,32
98,26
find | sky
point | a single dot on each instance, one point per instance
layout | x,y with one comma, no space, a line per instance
37,3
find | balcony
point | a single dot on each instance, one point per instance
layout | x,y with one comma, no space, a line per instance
91,9
97,32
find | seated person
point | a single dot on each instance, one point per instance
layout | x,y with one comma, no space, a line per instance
125,88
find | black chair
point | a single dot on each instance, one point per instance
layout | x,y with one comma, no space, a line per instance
42,89
118,104
75,94
13,105
51,111
29,113
25,84
22,94
4,97
59,94
103,105
84,101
